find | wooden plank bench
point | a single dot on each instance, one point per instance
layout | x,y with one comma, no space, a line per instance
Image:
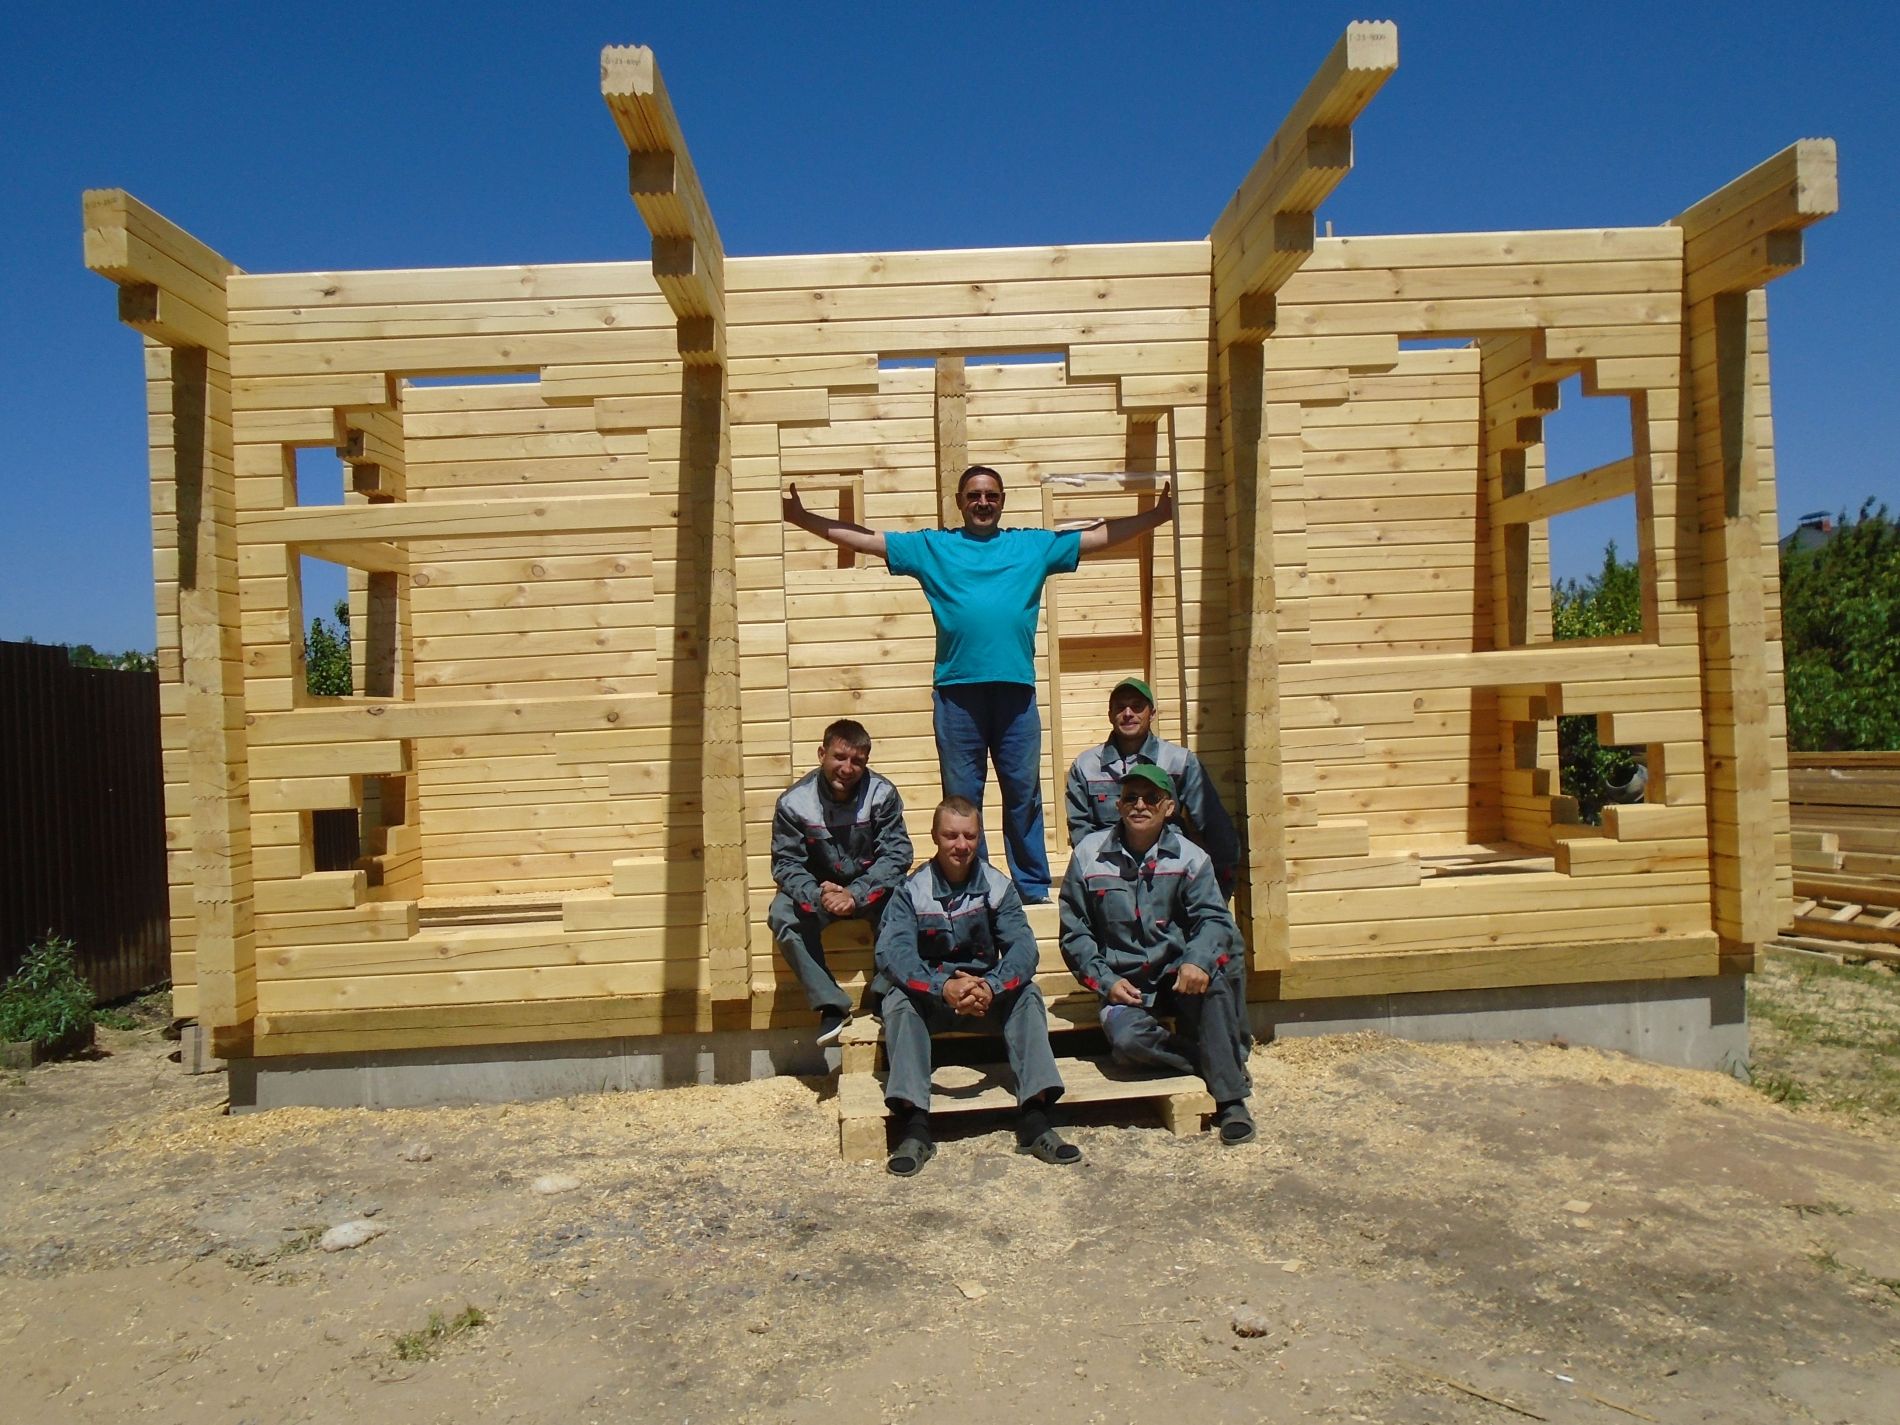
1183,1099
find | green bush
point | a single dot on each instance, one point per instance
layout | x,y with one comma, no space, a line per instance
46,998
1840,615
1608,604
326,655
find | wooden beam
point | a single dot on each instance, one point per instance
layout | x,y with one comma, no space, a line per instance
169,319
1797,187
792,406
1748,232
953,443
688,257
1496,668
172,290
1754,264
451,519
1739,238
636,412
369,720
375,555
129,243
706,477
1577,492
1266,231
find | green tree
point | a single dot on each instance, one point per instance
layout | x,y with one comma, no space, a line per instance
326,655
1840,622
84,655
1605,605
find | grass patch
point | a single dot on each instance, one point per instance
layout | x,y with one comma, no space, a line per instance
306,1238
1799,1025
1824,1208
1827,1036
1777,1084
151,1010
295,1246
430,1341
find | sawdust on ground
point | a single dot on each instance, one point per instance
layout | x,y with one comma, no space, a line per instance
1422,1233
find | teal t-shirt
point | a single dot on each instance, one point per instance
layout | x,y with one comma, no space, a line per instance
985,595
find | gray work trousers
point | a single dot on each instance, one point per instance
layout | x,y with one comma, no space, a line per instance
1211,1035
797,933
1018,1015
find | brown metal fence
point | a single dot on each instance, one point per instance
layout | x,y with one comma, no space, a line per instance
82,817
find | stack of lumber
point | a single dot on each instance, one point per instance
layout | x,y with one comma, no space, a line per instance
1846,815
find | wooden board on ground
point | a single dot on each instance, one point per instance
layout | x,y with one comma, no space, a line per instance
967,1088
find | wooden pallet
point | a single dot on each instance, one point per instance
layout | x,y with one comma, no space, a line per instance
1843,952
1857,919
963,1088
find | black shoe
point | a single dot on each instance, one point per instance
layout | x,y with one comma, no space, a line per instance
1235,1125
831,1026
1050,1148
908,1158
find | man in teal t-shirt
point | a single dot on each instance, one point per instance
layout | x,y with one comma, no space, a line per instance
984,584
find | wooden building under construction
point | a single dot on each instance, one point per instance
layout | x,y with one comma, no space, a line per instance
589,654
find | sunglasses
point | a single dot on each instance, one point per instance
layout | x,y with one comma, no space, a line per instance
1147,796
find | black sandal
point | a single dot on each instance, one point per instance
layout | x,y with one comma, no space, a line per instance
1236,1126
909,1157
1049,1147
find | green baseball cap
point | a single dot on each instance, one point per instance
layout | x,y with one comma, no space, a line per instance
1140,687
1148,772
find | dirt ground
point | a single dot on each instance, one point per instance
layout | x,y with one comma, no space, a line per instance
1422,1234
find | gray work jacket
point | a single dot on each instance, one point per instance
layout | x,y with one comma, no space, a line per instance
932,929
871,857
1141,918
1095,780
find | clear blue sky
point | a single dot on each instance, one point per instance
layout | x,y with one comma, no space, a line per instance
411,135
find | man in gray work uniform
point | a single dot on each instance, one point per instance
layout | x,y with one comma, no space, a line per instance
1092,796
955,951
839,848
1144,925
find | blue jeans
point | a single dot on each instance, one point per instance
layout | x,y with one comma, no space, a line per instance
980,722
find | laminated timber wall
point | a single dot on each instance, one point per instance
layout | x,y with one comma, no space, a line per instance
171,291
1481,770
827,636
590,652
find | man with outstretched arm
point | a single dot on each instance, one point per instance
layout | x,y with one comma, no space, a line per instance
1092,797
839,848
955,951
984,584
1144,925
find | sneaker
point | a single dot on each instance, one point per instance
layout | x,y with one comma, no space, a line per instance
831,1026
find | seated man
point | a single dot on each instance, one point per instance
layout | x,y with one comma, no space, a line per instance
1095,781
1145,927
955,951
839,847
